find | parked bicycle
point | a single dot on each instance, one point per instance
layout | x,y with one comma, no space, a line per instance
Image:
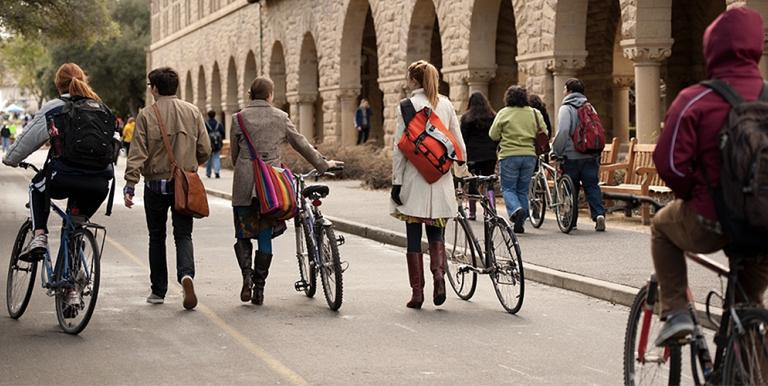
741,353
496,255
559,196
73,279
317,246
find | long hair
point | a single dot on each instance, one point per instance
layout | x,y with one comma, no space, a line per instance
478,108
72,79
428,78
536,102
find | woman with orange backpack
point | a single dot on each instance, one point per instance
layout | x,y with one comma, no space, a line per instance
420,197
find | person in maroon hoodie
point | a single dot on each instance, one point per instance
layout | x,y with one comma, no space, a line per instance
687,155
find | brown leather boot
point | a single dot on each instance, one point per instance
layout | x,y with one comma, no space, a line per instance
437,266
416,277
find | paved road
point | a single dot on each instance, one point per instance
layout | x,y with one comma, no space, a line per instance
558,337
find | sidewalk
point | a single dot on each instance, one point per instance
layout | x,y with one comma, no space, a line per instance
609,265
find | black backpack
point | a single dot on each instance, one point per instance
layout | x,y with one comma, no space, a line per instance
217,141
5,132
741,197
83,134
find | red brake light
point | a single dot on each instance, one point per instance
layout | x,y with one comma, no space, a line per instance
317,202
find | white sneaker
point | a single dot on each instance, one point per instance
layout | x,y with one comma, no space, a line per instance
154,299
600,223
39,244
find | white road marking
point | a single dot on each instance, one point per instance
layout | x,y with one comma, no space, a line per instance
405,327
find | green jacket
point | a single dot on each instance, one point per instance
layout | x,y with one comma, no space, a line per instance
516,128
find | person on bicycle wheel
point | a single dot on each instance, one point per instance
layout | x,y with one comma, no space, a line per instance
688,159
80,174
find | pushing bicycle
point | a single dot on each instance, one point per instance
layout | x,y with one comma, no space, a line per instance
73,279
560,197
317,246
497,256
741,355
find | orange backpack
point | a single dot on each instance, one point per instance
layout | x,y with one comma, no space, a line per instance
426,143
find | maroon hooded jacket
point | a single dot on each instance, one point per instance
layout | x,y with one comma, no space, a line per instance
733,45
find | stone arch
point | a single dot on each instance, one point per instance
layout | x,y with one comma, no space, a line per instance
278,76
188,89
250,73
310,102
570,26
201,90
231,104
424,39
215,101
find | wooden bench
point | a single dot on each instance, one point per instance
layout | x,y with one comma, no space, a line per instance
640,177
609,156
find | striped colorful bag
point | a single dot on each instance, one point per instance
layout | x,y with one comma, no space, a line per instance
274,186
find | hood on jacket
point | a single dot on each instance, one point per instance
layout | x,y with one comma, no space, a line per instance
733,43
575,99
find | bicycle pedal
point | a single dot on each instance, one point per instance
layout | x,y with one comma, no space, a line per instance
300,285
340,240
344,266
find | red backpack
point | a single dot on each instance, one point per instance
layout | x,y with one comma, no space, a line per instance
589,135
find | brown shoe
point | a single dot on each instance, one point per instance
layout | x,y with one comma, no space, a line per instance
416,278
437,266
190,299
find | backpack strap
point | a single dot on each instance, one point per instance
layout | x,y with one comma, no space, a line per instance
729,94
408,110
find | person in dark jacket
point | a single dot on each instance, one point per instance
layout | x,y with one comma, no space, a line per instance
363,121
216,135
538,104
687,158
481,149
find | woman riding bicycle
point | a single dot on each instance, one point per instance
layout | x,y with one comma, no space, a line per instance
85,184
269,127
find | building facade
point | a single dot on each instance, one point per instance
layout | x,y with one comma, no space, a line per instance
324,55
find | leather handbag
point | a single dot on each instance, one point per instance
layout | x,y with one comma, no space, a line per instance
190,198
274,186
542,139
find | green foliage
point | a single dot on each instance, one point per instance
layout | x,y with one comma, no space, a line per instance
82,20
28,60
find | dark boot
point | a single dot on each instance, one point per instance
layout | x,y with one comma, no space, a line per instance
243,249
472,209
437,266
416,277
261,264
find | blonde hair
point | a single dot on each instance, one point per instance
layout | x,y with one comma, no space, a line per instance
428,78
72,79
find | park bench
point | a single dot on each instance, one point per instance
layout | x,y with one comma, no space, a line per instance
640,176
609,156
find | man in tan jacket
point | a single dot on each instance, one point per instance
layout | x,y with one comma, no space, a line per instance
148,157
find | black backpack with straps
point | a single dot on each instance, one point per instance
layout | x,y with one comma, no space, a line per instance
741,196
85,130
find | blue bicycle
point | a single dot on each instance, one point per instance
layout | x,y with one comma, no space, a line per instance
73,280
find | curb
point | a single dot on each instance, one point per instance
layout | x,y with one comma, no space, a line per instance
600,289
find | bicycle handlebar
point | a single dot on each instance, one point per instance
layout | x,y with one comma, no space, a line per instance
328,173
28,165
491,178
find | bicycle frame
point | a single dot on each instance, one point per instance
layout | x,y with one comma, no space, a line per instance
310,214
487,201
544,168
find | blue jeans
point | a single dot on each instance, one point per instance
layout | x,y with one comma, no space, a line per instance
6,144
214,162
516,173
585,172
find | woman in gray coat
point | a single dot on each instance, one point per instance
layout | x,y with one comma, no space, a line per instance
269,128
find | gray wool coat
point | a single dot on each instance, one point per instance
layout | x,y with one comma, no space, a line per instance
269,128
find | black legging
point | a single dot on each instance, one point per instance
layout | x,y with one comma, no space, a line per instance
413,232
86,193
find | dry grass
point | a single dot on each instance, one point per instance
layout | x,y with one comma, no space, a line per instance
367,163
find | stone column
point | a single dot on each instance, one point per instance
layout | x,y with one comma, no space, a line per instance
459,89
348,103
479,79
307,115
621,85
394,89
647,61
229,110
293,101
563,68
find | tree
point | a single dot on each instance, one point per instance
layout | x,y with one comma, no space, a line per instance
29,61
83,20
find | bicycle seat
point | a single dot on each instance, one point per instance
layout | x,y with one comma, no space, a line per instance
316,191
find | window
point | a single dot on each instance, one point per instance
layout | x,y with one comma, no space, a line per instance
188,12
176,17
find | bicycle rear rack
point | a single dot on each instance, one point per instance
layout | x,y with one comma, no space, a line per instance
301,285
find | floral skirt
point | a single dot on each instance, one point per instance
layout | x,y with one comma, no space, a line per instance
435,222
249,222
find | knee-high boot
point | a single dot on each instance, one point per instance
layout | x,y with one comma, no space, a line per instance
416,277
437,266
261,263
243,249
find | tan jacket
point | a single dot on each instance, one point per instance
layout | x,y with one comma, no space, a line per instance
188,137
269,128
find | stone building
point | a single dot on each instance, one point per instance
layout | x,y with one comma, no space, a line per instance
634,55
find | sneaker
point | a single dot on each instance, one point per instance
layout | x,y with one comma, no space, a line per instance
515,214
600,223
155,299
217,175
678,325
39,244
519,228
190,299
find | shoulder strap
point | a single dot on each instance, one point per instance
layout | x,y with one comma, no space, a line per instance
408,110
729,94
251,147
164,133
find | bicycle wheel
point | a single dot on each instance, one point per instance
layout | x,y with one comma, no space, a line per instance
304,253
566,207
746,357
658,365
507,277
460,255
84,277
330,272
537,200
21,274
